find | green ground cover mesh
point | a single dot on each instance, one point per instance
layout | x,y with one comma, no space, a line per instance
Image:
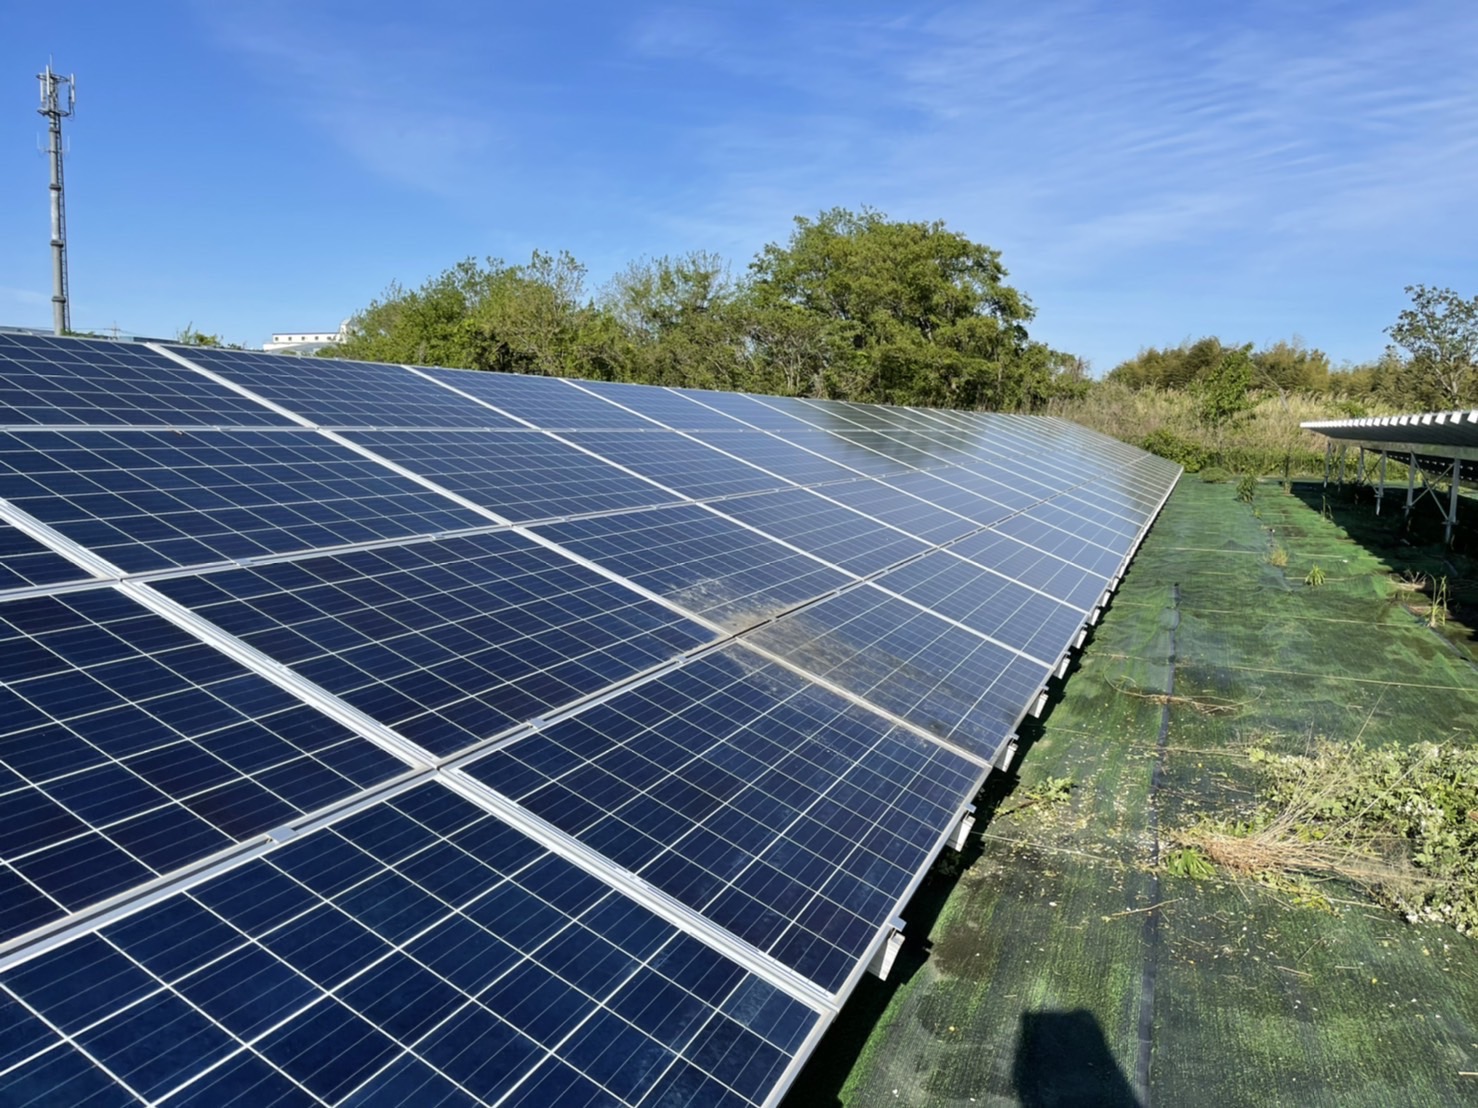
1033,973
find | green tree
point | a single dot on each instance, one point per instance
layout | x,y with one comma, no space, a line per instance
1290,367
900,312
1439,333
1222,391
530,318
683,323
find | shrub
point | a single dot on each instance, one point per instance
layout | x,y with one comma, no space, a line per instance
1215,474
1182,451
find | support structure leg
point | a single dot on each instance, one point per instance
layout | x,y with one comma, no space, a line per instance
1451,521
1380,491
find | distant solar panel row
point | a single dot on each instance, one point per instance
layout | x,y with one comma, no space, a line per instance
374,735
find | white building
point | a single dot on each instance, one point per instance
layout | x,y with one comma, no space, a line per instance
304,342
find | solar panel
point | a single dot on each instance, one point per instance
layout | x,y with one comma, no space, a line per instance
129,748
446,642
679,463
419,952
148,500
769,413
700,561
670,409
521,475
24,562
989,602
350,394
782,812
456,755
552,403
893,501
833,532
937,675
1033,567
65,381
815,461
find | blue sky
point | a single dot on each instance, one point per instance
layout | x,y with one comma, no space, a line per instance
1150,171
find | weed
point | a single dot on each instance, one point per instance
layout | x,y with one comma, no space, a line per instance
1315,577
1246,488
1189,862
1399,822
1436,611
1278,556
1046,793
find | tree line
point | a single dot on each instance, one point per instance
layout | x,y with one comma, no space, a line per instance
1429,364
852,306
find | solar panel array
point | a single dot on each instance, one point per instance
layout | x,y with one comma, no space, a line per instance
381,735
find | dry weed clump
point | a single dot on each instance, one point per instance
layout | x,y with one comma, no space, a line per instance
1398,823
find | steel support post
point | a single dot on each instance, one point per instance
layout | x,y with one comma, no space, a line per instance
1452,503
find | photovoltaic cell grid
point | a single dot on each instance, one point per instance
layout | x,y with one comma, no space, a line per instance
787,815
341,393
447,642
79,381
24,562
551,403
780,811
128,749
941,677
417,953
521,475
700,560
149,500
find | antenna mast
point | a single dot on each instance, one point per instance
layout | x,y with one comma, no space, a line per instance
55,90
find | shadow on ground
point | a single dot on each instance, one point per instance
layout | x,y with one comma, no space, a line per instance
1064,1061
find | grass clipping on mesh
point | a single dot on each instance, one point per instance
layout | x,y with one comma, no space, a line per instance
1399,823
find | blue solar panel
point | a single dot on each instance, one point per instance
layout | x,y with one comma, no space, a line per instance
24,562
798,461
782,812
521,475
447,642
1081,552
154,499
128,749
939,677
819,526
770,413
894,501
344,393
552,403
670,409
701,561
989,603
417,953
1053,575
891,446
355,943
66,381
679,463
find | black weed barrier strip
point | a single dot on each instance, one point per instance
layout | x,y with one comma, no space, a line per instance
1151,933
